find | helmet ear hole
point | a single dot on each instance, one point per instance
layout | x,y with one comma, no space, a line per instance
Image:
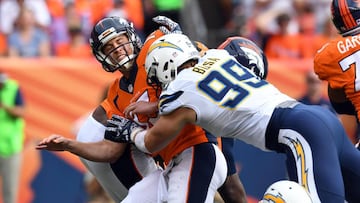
151,75
173,74
166,65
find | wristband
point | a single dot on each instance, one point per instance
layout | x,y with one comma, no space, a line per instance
138,138
134,132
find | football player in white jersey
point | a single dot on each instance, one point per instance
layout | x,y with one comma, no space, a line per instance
229,100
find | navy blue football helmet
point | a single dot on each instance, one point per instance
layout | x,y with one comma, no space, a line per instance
107,29
346,16
248,54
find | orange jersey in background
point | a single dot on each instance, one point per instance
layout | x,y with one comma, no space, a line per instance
338,62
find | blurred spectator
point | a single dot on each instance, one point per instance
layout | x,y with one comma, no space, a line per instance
3,44
77,47
28,40
321,9
91,12
132,10
217,16
314,94
310,39
12,110
118,10
74,13
83,13
283,44
329,30
261,18
10,9
64,16
136,9
168,8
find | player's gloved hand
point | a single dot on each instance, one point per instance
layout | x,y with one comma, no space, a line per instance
119,129
167,25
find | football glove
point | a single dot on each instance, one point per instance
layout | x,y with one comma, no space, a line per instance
119,129
167,25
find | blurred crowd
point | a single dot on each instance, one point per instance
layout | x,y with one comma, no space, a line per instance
283,28
286,29
36,28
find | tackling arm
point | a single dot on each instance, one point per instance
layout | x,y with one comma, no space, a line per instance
165,129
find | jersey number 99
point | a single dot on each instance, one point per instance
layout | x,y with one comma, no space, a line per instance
229,84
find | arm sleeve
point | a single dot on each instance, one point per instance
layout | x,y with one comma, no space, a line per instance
91,131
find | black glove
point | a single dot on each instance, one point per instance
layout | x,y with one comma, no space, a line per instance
119,129
167,25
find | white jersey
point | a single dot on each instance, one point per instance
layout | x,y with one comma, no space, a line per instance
220,91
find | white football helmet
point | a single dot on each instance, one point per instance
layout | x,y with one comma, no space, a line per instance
285,191
165,55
